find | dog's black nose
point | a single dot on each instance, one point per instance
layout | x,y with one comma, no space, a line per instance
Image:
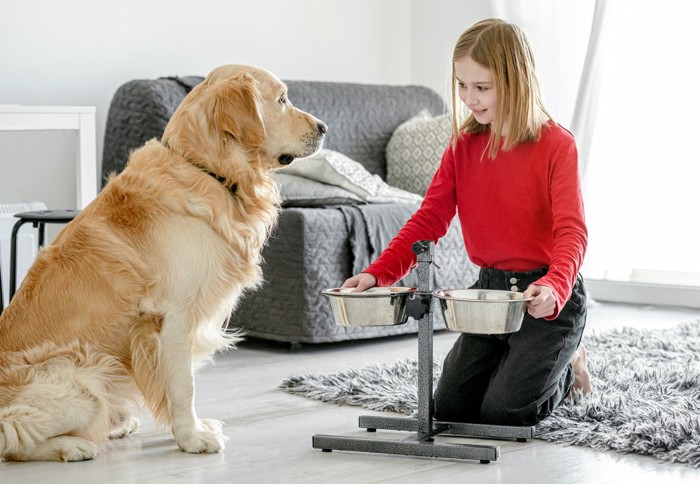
322,128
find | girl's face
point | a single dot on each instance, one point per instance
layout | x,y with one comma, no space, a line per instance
477,89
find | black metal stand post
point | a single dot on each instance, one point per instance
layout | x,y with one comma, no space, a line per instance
421,443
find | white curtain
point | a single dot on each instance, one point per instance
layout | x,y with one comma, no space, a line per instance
566,37
625,74
641,185
586,108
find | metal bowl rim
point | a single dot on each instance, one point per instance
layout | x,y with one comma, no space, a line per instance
442,294
401,291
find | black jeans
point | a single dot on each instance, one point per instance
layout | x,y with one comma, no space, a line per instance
517,378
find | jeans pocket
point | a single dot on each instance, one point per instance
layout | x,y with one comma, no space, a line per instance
577,303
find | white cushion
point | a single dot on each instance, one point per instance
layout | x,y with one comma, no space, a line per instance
302,192
415,149
333,168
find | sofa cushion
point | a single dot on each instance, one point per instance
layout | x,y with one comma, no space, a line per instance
297,191
415,149
333,168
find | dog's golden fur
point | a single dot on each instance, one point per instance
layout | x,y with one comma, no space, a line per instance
133,293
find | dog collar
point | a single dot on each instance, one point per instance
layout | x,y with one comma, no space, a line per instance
223,181
232,186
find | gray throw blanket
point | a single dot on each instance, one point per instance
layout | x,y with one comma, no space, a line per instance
371,228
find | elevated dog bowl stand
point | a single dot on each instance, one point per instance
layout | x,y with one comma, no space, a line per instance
423,426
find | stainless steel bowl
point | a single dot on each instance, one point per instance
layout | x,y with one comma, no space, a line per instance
482,311
378,306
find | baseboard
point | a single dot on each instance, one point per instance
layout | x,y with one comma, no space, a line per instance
644,293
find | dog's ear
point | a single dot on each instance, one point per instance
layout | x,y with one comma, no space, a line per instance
237,111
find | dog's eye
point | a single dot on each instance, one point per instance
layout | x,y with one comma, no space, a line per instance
282,99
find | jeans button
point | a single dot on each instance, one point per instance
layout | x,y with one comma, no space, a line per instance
513,280
514,288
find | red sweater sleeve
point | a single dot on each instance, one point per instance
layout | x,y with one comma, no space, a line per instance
430,222
569,232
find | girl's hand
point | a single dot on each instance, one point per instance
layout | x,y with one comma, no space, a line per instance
544,302
361,281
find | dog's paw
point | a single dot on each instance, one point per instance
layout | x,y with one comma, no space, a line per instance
79,451
212,425
129,428
62,448
201,441
206,438
65,448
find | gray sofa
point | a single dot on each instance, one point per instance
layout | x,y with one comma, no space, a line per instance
315,245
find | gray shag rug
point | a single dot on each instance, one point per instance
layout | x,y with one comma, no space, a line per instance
645,400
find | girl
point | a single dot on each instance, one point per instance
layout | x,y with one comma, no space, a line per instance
511,175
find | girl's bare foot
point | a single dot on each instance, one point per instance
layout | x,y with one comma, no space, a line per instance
582,379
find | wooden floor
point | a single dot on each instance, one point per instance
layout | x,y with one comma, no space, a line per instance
270,431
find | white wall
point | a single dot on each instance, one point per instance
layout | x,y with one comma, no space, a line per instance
78,52
435,27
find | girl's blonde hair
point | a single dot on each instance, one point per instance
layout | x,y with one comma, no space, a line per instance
504,50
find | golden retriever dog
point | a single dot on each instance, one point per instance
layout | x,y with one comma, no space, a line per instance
133,294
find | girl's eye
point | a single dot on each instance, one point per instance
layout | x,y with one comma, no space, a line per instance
283,99
482,88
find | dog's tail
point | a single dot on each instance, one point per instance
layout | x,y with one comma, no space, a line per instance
51,392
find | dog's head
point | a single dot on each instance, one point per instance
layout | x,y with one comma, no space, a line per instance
243,110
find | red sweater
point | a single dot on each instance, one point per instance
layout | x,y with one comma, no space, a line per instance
521,211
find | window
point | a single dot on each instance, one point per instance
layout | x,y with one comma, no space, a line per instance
641,183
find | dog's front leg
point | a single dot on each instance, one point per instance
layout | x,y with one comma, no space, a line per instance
191,434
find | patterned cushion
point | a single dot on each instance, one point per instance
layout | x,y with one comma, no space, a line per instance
415,149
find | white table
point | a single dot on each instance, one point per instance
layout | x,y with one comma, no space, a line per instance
62,118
